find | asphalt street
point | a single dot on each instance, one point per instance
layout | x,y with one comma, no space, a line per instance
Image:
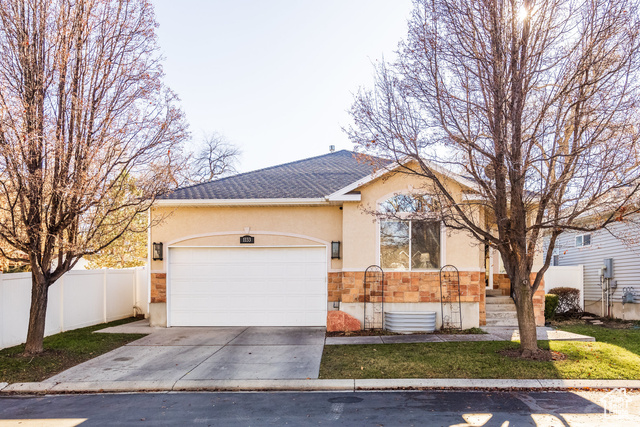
418,408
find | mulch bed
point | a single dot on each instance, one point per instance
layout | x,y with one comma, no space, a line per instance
363,333
384,332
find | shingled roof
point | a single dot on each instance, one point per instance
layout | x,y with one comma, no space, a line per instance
314,177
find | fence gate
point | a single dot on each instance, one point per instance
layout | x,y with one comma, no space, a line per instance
373,298
450,304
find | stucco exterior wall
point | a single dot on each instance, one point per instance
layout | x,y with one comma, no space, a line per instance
353,224
361,228
223,226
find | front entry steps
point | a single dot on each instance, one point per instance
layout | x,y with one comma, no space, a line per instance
501,310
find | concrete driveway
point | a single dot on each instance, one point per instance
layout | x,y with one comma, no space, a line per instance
206,353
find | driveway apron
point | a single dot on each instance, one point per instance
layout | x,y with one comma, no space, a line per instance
208,353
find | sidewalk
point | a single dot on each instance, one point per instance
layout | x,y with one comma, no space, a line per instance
494,333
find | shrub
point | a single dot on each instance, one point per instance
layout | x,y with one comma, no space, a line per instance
550,306
568,300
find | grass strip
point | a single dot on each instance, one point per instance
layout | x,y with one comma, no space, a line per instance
616,355
61,351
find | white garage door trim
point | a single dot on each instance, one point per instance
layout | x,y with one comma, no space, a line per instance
319,319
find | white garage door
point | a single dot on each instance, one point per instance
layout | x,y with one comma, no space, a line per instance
247,286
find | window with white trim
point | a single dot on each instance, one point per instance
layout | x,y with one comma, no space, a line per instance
583,240
408,241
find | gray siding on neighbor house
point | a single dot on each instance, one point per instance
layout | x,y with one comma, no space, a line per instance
621,242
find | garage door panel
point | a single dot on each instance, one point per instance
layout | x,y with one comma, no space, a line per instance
248,286
190,272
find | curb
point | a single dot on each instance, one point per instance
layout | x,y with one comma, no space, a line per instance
311,385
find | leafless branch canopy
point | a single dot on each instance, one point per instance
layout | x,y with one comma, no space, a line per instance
86,126
535,102
214,157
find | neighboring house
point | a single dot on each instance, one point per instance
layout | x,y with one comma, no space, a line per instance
621,243
256,248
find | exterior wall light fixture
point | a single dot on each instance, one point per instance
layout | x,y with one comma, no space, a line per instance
335,250
157,251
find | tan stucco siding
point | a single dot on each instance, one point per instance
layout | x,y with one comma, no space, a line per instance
223,226
360,238
361,229
355,226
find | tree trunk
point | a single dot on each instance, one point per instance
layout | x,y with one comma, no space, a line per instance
37,316
526,314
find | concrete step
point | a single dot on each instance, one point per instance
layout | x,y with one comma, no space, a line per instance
494,292
501,315
501,307
498,300
502,322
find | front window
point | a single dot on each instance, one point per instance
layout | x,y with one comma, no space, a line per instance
409,244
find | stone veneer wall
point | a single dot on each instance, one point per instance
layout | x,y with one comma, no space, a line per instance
158,287
502,282
407,287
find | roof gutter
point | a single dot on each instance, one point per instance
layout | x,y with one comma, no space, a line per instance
242,202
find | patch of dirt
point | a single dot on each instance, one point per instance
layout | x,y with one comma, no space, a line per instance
591,319
363,333
539,356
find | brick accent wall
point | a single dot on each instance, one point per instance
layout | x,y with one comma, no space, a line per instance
158,287
482,315
334,293
538,302
501,281
405,286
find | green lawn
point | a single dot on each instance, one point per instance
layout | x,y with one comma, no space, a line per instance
61,351
615,355
625,338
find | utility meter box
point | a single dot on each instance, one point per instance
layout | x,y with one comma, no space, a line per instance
628,297
608,272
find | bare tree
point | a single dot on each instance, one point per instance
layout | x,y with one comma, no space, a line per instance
535,102
82,108
12,266
215,157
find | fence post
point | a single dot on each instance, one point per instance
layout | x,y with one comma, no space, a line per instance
135,289
62,303
104,295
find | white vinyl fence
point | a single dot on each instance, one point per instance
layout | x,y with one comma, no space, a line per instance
79,298
567,277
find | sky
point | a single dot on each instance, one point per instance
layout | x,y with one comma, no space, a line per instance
275,77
